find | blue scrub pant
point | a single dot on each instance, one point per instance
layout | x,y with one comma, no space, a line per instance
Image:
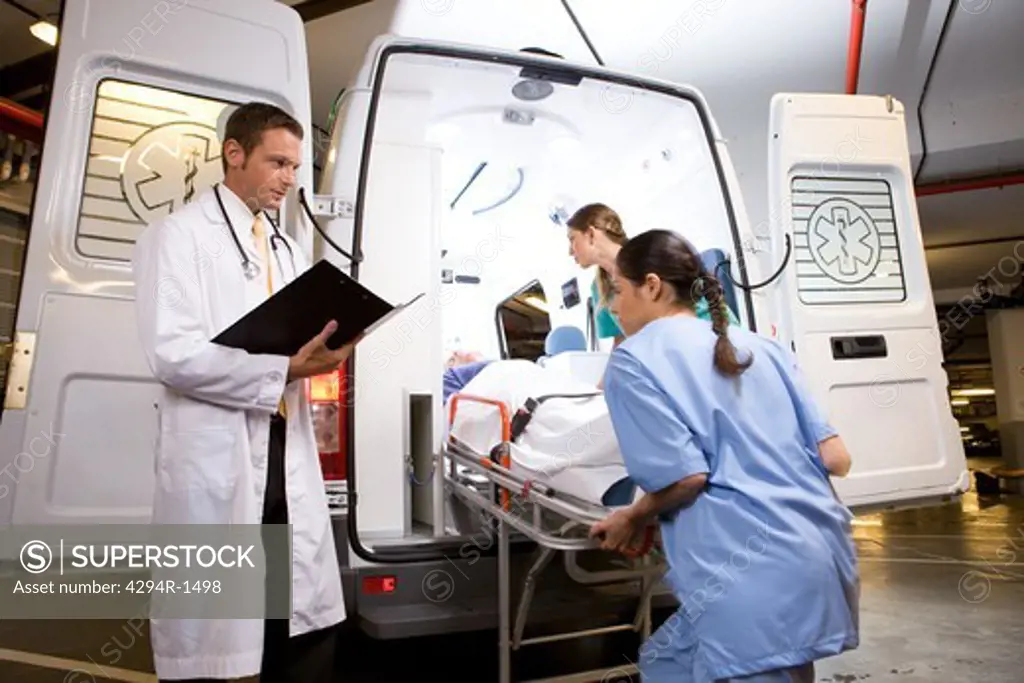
670,656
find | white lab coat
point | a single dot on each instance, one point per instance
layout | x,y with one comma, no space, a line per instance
211,458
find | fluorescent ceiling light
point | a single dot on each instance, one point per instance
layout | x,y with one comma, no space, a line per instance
974,392
965,429
960,402
866,522
44,31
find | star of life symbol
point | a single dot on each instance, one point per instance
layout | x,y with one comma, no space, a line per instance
167,166
844,241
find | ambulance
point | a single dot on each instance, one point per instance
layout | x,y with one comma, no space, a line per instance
449,168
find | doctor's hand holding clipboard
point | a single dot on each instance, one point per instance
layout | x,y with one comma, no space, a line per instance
315,320
316,358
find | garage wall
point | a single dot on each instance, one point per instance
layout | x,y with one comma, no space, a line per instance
13,234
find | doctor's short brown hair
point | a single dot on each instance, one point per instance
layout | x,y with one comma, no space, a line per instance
248,122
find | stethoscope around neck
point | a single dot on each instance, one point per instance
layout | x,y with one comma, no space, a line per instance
250,268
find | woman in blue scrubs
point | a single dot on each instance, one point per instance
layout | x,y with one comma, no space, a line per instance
734,458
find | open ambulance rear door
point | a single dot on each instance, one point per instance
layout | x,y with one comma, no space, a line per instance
139,94
861,315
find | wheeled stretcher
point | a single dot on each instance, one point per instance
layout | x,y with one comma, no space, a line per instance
555,520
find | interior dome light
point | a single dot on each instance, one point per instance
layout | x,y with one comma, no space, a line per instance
530,90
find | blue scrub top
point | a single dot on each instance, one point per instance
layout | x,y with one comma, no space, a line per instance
608,326
762,561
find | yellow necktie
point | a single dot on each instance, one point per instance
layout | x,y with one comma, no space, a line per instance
260,235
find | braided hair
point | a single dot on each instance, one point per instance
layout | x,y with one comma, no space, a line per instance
675,261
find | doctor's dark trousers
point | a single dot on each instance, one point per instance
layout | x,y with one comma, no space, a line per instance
308,658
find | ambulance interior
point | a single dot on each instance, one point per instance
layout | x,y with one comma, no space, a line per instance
507,154
517,167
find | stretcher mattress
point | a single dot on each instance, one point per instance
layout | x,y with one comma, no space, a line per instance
569,443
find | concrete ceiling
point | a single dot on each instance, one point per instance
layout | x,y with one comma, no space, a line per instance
16,43
26,63
971,234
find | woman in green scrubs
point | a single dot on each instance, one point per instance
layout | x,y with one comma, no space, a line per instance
595,237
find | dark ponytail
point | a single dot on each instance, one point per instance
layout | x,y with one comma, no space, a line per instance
674,261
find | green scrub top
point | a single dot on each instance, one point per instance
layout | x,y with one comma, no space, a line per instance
608,327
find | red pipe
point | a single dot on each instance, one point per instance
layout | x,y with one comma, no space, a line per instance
859,12
20,114
971,184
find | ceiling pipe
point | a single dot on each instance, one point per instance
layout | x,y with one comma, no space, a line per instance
857,17
969,184
20,114
21,122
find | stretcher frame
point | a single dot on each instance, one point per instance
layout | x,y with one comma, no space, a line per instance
555,521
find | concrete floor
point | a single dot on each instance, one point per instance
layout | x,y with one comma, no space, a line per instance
942,601
942,596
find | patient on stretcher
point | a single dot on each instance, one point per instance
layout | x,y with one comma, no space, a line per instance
569,443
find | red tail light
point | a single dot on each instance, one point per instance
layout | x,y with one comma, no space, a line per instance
375,585
330,415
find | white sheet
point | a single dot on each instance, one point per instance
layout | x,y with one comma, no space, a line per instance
569,444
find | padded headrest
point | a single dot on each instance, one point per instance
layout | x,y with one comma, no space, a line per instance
712,258
565,338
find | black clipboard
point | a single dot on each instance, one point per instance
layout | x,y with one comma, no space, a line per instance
286,321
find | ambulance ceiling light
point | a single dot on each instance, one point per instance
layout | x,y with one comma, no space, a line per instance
532,90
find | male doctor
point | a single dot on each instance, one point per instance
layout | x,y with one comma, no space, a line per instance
236,441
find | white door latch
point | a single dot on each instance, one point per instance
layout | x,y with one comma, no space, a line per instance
333,207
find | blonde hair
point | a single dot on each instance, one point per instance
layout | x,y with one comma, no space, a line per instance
602,218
